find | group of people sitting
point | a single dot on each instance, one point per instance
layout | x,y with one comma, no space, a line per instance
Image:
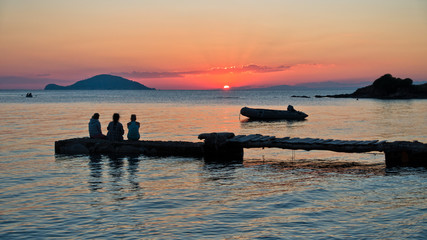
115,128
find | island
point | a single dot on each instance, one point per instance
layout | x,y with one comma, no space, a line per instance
101,82
387,87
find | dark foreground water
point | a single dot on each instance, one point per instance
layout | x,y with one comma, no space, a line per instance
272,194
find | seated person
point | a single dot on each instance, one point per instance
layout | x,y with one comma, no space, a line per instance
115,129
133,128
291,108
95,127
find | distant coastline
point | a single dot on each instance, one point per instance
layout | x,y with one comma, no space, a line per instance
387,87
112,82
102,82
306,86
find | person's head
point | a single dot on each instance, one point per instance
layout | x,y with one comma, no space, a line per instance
116,117
95,116
133,117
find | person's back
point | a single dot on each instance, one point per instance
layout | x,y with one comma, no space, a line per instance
95,127
133,129
115,129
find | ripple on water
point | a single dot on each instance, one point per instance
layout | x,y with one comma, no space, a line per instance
273,193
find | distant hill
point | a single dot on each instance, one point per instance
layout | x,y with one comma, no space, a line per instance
332,85
272,88
101,82
388,87
307,86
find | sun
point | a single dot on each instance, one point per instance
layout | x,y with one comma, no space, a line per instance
226,87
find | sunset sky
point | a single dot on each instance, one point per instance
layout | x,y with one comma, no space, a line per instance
205,44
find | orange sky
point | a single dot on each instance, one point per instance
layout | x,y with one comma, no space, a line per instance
201,44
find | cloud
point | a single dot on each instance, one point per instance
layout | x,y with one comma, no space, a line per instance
149,74
248,68
43,75
264,69
217,70
19,82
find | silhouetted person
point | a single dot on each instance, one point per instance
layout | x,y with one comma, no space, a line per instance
95,127
133,128
291,108
115,129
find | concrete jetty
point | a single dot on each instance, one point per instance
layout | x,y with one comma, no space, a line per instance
226,146
397,153
87,146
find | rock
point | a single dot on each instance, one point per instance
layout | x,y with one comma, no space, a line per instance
104,147
75,148
101,146
387,87
128,150
302,96
217,148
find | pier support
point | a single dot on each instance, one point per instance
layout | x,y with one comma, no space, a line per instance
218,148
405,154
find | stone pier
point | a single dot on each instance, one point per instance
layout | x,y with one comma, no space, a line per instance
405,154
88,146
225,146
218,147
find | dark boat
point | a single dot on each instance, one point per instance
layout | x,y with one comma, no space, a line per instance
268,114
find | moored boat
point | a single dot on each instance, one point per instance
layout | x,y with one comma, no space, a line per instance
269,114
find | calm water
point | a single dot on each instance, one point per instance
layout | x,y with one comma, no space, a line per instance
272,194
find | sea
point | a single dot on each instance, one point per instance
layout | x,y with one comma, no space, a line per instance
271,194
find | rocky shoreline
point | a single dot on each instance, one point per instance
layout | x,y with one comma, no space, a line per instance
387,87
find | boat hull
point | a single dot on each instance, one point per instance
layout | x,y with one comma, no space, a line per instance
268,114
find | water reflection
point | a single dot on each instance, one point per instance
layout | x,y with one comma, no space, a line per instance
248,120
319,166
95,166
133,163
399,120
114,182
116,164
220,171
163,197
278,128
271,125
